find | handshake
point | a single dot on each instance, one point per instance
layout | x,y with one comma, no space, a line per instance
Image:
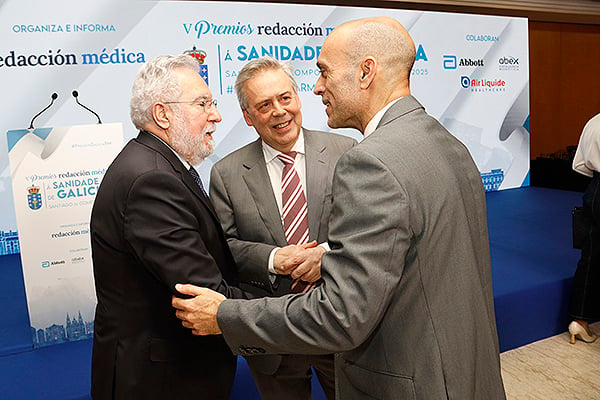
300,261
199,313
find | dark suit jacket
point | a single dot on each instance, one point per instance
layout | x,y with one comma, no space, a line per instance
241,192
406,297
152,227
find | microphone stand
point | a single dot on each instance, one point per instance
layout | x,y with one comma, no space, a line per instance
54,97
76,95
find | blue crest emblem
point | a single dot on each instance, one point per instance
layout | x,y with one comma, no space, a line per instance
204,72
200,56
34,198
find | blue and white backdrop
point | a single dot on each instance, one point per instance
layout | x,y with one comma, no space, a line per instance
472,73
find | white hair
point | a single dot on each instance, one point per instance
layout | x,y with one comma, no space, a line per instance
156,82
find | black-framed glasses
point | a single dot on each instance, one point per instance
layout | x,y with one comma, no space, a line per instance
206,104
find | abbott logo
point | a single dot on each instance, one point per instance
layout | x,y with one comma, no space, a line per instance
449,61
47,264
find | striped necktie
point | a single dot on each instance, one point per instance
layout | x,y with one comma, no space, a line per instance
294,209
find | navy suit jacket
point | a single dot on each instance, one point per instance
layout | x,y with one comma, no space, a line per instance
152,227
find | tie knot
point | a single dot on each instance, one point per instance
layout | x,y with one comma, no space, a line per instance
287,158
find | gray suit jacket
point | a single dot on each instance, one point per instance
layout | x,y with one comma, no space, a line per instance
241,192
407,294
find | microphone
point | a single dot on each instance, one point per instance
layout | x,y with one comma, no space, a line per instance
76,94
54,97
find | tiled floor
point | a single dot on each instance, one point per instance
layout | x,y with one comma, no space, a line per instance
553,369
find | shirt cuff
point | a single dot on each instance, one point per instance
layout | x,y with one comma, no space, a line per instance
325,245
271,267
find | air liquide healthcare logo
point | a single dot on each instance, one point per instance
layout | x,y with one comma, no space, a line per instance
34,198
483,85
200,56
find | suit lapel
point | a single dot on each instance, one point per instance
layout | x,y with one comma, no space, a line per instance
257,180
158,146
316,181
189,181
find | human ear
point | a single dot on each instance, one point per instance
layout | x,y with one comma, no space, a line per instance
368,69
247,117
160,115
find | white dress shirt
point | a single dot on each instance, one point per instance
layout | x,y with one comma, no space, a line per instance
275,171
372,125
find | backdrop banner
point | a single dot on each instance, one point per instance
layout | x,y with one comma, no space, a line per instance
471,73
55,175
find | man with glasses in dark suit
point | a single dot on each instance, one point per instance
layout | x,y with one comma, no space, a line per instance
152,226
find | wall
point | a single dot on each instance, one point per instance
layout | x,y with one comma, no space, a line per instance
573,11
564,64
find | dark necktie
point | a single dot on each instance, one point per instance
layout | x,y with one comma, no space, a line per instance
196,177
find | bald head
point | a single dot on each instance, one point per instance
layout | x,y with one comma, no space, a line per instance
383,38
365,64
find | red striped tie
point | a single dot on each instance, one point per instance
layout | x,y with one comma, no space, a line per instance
294,210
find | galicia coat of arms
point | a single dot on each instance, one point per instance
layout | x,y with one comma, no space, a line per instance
34,198
200,56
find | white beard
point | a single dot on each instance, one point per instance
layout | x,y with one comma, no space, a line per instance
192,148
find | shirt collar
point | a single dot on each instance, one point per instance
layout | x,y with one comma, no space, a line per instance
270,153
374,122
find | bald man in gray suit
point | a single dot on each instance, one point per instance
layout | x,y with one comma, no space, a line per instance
406,298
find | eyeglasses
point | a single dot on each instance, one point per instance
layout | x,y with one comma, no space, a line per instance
206,105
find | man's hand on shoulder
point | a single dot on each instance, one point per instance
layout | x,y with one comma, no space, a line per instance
198,313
